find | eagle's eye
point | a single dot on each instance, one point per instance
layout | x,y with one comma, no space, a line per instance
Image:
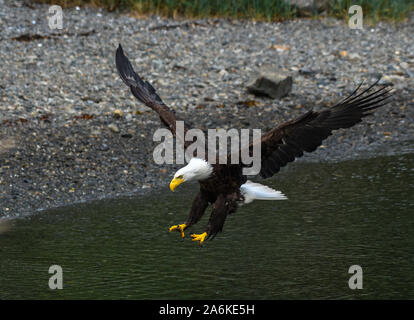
180,177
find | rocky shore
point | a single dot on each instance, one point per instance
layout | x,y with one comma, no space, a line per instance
62,143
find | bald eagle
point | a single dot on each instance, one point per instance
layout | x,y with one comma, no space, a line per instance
223,185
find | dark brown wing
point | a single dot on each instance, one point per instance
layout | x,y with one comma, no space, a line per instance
289,140
145,93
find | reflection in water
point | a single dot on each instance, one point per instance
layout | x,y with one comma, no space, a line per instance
5,225
338,215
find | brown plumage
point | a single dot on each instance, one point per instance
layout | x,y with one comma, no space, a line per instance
145,93
279,146
289,140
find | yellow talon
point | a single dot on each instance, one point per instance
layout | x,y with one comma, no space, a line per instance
199,237
180,228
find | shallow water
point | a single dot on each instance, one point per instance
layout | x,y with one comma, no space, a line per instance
351,213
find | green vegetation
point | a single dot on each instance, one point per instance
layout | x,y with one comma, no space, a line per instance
375,10
268,10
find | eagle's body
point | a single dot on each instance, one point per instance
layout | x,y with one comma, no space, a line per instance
223,185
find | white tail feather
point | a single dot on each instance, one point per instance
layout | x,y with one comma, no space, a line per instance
256,191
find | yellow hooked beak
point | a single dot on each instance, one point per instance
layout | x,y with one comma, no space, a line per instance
175,183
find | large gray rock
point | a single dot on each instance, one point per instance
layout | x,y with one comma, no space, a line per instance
309,7
271,84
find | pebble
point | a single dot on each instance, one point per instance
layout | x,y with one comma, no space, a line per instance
272,84
118,113
113,127
104,147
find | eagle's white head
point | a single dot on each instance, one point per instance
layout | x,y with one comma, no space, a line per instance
197,169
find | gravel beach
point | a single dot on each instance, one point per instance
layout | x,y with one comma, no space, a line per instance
60,142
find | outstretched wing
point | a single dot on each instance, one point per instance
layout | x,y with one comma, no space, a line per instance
145,93
289,140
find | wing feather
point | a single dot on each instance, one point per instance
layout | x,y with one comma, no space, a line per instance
146,94
291,139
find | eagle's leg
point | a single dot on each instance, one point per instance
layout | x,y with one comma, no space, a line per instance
198,208
180,228
199,237
223,206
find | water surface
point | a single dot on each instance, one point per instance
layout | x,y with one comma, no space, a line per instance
338,214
